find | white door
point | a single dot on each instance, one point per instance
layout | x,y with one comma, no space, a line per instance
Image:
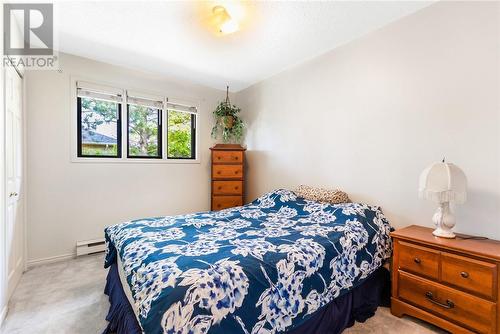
14,178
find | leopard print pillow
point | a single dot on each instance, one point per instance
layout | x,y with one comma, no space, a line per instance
322,195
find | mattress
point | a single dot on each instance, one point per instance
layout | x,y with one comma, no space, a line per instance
265,267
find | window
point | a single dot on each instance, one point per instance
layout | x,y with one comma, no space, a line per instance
181,132
100,123
144,128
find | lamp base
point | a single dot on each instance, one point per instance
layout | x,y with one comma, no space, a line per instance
444,234
445,221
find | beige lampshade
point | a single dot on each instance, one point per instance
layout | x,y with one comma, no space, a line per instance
443,182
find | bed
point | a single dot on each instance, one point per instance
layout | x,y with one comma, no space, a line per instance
274,265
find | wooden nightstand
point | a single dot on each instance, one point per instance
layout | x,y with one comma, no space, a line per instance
451,283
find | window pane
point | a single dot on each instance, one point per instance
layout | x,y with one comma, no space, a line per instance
143,132
180,135
99,130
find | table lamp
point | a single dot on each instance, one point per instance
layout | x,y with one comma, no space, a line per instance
443,183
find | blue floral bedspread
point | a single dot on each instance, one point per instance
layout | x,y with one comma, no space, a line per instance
264,268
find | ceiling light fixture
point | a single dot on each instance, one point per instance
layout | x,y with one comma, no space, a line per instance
226,24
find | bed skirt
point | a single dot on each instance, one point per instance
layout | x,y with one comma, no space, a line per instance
121,318
358,304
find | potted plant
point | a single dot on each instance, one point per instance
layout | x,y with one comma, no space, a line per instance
227,122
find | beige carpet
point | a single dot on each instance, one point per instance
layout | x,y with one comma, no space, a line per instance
67,298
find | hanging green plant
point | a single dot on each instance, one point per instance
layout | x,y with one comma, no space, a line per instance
228,125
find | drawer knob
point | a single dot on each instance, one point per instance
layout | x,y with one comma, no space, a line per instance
464,274
218,172
236,171
236,188
219,188
430,297
218,158
417,260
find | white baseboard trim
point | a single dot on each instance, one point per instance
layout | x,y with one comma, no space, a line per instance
3,313
51,259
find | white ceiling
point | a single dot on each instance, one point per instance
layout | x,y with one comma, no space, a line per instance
174,38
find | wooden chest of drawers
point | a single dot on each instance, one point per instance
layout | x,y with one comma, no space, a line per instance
228,176
452,283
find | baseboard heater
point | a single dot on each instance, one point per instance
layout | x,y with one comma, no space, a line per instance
86,247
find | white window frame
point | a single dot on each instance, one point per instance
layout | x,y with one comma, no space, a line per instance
124,137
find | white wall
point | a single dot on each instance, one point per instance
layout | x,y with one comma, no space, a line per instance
369,116
70,201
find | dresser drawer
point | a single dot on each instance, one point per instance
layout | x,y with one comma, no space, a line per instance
475,276
224,202
227,187
227,172
227,156
469,311
419,260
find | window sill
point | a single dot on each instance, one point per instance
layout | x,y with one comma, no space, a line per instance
134,161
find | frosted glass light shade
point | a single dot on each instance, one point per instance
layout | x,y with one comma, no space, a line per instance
443,182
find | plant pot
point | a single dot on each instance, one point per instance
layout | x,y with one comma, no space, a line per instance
228,121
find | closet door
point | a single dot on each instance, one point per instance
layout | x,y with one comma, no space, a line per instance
14,178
